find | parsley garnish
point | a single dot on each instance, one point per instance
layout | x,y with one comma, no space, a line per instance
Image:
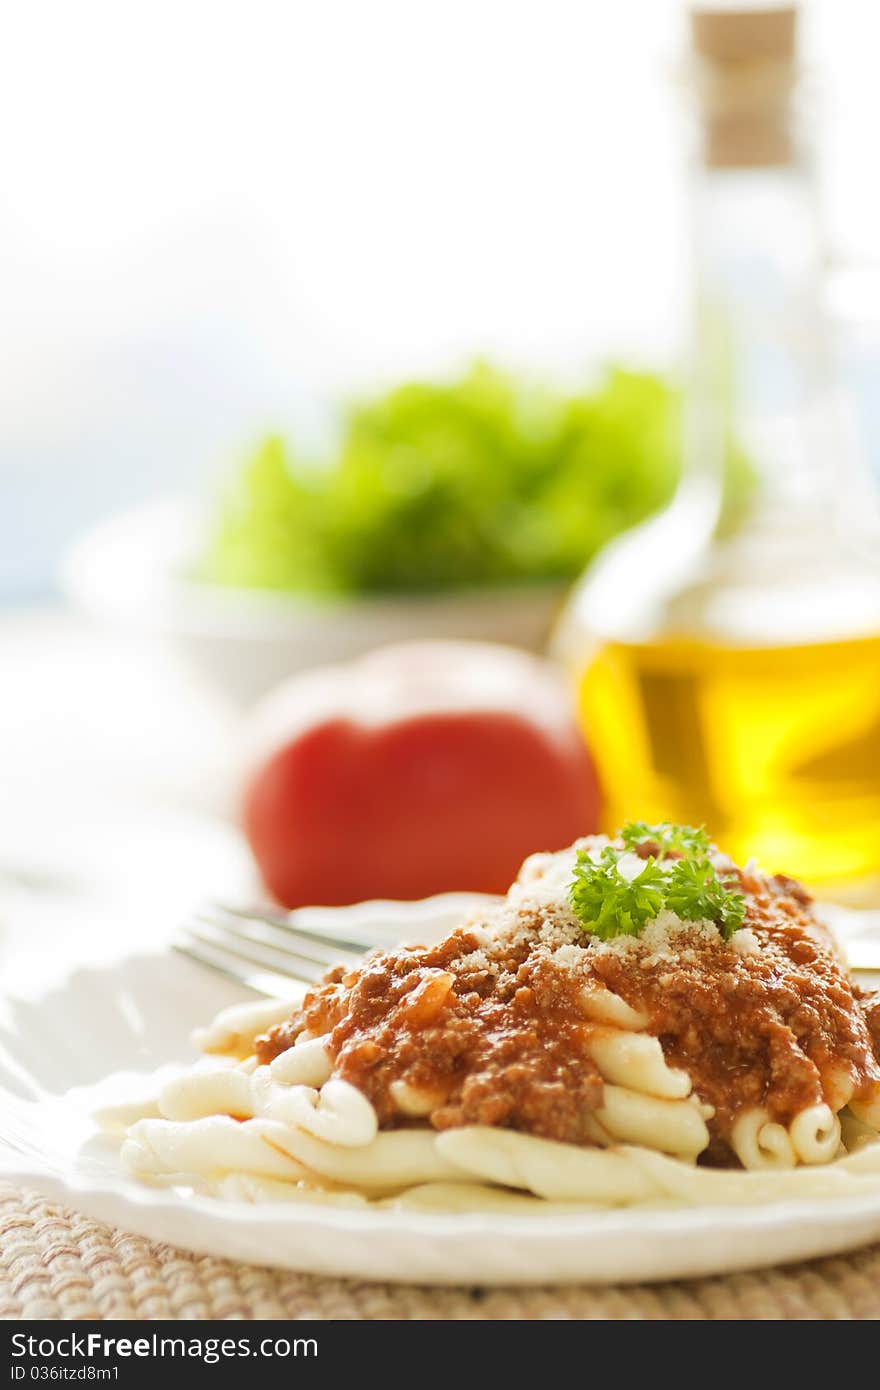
697,893
609,904
667,837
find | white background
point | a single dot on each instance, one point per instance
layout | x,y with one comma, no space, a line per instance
215,216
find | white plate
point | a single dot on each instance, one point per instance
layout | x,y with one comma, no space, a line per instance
134,1015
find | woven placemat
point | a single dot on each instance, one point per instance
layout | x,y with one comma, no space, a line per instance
57,1264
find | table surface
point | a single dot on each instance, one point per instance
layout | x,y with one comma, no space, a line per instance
116,785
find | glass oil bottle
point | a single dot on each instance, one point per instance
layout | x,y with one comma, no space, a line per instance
728,667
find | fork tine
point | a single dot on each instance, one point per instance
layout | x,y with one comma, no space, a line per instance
289,941
257,953
281,921
260,981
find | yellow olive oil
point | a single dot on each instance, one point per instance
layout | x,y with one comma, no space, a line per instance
776,749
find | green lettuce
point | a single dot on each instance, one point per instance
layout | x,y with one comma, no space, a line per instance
484,480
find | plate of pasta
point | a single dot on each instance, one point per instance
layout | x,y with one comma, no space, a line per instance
645,1062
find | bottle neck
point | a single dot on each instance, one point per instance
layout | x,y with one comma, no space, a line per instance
761,384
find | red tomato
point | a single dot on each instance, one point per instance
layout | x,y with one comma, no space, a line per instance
416,770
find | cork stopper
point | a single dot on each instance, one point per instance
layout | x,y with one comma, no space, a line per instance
746,73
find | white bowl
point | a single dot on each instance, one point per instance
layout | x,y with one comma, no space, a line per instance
135,569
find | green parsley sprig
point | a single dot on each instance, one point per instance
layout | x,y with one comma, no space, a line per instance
696,892
669,838
609,904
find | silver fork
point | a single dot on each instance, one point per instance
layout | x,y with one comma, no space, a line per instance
265,950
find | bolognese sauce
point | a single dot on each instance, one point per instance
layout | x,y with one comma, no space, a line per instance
489,1026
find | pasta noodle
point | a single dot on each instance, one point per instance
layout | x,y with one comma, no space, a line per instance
198,1094
521,1066
414,1101
337,1113
246,1187
602,1006
232,1032
257,1159
673,1126
760,1143
397,1158
636,1061
815,1134
307,1064
555,1171
837,1086
717,1186
209,1145
868,1111
474,1196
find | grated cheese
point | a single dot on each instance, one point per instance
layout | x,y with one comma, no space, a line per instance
537,911
745,942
